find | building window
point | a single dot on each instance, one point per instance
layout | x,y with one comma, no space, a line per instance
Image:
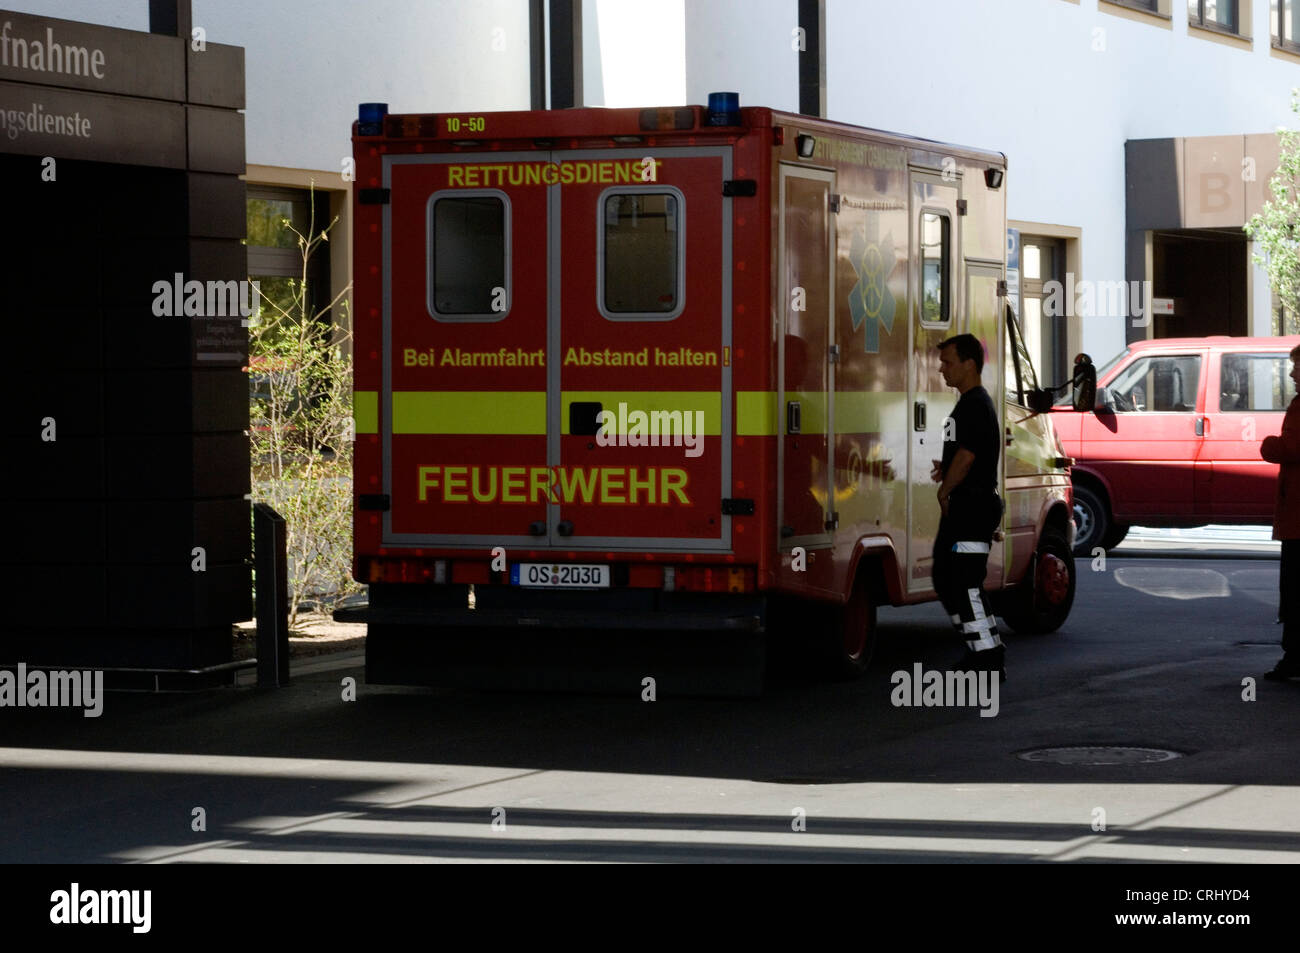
274,258
641,267
1282,23
936,258
469,255
1214,14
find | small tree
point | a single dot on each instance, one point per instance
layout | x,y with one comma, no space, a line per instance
1273,228
301,429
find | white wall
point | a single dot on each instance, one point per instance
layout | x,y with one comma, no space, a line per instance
743,46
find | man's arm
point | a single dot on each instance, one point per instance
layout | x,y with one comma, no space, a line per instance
957,470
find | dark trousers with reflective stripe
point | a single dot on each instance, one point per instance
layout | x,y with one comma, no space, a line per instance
961,559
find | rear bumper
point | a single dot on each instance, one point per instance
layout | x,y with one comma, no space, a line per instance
508,607
602,640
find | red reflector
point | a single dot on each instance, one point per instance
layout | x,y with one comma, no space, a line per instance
714,579
401,570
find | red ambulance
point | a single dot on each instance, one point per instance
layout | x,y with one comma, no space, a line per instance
675,369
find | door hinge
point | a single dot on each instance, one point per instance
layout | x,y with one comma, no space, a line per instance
1003,291
737,507
374,196
743,188
834,201
961,206
833,354
833,521
374,501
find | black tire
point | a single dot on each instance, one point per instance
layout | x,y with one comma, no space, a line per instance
1092,521
1041,603
851,637
1116,536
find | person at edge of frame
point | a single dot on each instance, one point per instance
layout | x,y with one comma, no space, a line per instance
1284,450
969,503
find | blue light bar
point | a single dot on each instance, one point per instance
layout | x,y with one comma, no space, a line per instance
370,119
724,109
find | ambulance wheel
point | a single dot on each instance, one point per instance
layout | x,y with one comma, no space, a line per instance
1042,604
851,639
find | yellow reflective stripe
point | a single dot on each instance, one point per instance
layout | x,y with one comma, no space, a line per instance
469,412
649,401
365,411
756,413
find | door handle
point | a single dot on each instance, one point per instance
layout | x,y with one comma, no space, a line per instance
918,415
1200,426
793,417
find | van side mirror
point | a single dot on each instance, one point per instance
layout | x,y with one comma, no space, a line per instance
1105,403
1084,384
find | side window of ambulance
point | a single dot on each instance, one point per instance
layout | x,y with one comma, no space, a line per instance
936,270
1255,382
1158,384
469,268
641,254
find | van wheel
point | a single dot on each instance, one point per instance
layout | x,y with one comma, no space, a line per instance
1042,604
1115,537
851,637
1092,521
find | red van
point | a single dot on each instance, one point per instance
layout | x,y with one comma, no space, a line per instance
1174,439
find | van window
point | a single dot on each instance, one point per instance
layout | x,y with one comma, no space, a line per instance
469,238
1166,383
641,252
936,280
1255,382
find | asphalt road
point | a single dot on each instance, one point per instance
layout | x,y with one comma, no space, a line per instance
1153,656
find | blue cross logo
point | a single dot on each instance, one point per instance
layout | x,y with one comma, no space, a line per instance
870,300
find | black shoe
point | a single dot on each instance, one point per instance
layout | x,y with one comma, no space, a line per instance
989,660
1282,671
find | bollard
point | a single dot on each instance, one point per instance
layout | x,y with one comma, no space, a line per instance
271,566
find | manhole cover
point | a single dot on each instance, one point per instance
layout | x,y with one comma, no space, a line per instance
1100,754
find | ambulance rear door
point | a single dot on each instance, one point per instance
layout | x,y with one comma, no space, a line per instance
463,408
640,331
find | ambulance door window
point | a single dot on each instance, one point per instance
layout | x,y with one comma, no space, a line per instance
469,255
936,268
640,268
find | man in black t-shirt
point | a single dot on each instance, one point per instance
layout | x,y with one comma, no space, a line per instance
968,499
